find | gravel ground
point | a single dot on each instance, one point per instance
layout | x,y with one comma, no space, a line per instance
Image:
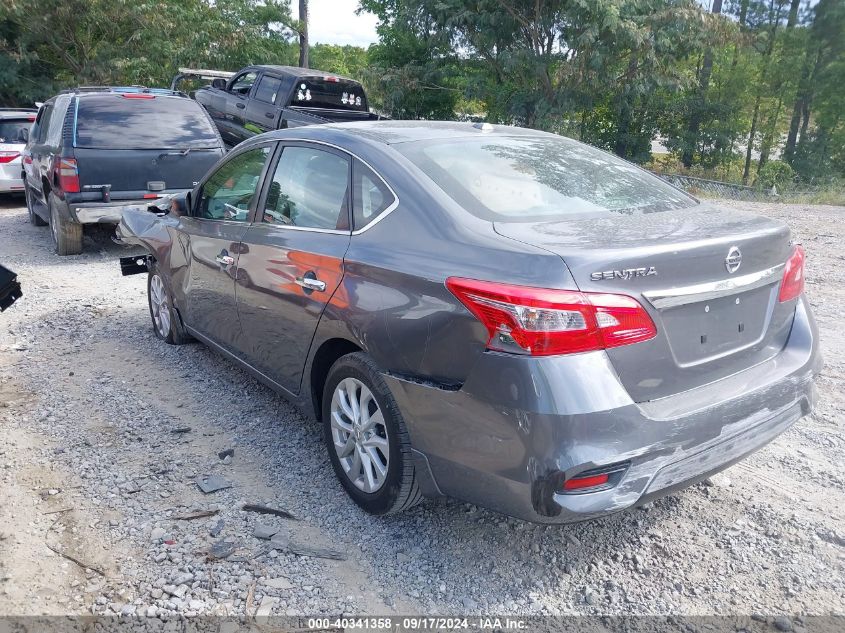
92,470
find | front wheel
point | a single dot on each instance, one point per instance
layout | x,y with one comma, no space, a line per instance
166,323
366,438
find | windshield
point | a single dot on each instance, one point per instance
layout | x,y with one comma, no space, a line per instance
520,179
114,121
337,94
14,130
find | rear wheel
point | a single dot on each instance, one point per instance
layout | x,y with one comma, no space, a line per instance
67,234
366,438
34,218
166,323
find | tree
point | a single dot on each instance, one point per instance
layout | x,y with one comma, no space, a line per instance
303,34
84,42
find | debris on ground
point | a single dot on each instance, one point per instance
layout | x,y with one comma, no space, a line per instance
212,483
222,549
199,514
261,509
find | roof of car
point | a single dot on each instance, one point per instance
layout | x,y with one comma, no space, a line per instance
296,71
16,113
391,132
100,90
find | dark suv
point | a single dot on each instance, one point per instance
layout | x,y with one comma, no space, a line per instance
94,150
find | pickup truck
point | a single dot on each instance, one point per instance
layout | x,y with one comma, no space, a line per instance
262,98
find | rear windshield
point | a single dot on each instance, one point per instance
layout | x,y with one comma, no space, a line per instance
524,179
337,94
14,130
117,122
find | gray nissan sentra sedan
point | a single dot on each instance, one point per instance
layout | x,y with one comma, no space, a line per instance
500,315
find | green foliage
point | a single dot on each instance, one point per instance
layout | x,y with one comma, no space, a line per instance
51,44
775,173
724,93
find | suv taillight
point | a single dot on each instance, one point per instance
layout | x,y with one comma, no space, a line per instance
8,157
68,175
793,275
545,322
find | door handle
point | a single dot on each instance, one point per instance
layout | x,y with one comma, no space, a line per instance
270,115
311,283
240,106
226,260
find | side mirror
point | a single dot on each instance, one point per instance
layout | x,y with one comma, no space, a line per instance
180,204
218,82
177,205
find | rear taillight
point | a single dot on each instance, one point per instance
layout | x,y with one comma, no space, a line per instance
68,175
793,276
545,322
8,157
590,481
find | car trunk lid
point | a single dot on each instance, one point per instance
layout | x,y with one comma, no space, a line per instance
708,277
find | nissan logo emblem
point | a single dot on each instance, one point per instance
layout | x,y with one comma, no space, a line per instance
733,260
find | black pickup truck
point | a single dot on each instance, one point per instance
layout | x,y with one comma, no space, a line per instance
258,99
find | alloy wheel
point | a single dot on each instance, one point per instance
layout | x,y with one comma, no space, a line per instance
160,306
359,435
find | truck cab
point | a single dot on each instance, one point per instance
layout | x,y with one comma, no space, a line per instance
262,98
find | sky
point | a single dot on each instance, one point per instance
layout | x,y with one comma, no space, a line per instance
335,22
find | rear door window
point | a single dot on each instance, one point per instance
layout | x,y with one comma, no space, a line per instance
268,88
44,122
329,92
114,121
57,122
309,189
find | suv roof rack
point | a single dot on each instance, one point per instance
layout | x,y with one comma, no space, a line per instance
199,73
124,90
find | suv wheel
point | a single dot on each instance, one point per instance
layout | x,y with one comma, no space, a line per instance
166,323
34,218
67,234
366,438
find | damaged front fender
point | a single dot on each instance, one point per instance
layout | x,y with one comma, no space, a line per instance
149,226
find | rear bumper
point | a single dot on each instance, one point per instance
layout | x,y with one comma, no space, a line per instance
10,178
519,425
106,212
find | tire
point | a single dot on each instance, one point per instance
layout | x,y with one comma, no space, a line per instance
396,489
67,234
34,218
166,322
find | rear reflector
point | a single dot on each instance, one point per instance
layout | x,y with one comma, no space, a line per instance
545,322
591,481
150,196
793,275
8,157
68,175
